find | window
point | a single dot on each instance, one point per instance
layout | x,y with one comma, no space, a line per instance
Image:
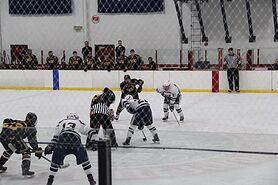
40,7
130,6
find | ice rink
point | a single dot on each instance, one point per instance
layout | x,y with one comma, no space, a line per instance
212,121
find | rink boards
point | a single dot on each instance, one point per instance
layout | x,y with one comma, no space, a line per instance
188,81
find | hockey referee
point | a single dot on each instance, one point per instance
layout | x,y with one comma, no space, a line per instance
232,62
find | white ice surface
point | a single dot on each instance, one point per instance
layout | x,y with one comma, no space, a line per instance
213,121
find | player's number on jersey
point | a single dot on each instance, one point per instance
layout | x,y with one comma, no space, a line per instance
69,125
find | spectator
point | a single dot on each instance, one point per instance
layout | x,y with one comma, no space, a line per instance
75,61
232,61
20,57
152,64
63,65
107,63
275,65
30,60
120,48
52,61
121,61
86,50
134,61
90,62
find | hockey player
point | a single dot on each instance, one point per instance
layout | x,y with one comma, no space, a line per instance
100,114
131,87
142,116
172,98
66,141
12,138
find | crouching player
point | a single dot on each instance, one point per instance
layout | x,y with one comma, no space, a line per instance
12,138
142,116
66,140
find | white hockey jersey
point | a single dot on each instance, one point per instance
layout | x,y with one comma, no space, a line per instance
134,104
74,126
172,93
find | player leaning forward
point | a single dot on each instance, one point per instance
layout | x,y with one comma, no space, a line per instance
66,141
142,116
12,138
102,115
172,98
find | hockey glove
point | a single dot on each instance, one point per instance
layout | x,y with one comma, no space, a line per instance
140,127
130,110
111,114
92,145
38,152
171,107
48,150
165,95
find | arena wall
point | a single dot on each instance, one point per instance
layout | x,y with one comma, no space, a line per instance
188,81
146,33
142,32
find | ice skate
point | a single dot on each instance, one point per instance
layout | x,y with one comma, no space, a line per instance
91,179
127,141
3,169
28,174
26,169
165,118
50,180
156,138
181,118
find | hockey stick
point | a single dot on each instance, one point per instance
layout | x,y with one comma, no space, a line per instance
145,138
176,118
61,166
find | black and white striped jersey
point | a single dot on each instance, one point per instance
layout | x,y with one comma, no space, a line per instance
99,105
134,104
99,108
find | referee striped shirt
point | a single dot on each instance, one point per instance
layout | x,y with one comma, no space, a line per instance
99,108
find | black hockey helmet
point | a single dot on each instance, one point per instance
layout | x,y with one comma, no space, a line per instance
31,119
108,95
126,77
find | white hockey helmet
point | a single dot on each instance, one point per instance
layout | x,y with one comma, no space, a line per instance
72,116
128,97
166,85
